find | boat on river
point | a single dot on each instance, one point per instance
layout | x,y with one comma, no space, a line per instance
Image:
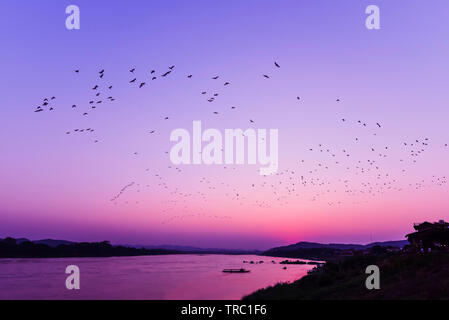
235,270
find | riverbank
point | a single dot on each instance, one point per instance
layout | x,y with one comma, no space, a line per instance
24,248
10,248
402,276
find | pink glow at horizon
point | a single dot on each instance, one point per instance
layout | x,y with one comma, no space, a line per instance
55,185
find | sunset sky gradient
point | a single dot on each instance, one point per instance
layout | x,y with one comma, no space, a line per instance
54,185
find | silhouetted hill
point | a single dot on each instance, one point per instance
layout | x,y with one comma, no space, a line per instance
52,243
342,246
18,240
320,251
397,243
22,247
48,242
132,249
315,245
11,248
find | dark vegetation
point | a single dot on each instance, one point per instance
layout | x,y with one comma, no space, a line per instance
403,275
419,270
10,248
49,248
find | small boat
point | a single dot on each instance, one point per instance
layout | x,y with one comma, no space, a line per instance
235,270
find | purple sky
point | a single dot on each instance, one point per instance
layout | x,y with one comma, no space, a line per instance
58,185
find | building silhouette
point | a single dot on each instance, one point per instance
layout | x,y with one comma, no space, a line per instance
430,236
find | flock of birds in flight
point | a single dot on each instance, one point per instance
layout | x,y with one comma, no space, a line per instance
285,186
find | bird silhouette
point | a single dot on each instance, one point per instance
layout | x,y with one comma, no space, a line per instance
286,183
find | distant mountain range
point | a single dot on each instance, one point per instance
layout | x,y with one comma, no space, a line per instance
319,251
190,249
180,249
342,246
49,242
48,248
299,245
298,249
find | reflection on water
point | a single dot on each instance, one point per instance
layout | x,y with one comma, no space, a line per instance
145,277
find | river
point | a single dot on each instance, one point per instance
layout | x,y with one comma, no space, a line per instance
189,276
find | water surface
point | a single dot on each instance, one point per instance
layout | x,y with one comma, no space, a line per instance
144,277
